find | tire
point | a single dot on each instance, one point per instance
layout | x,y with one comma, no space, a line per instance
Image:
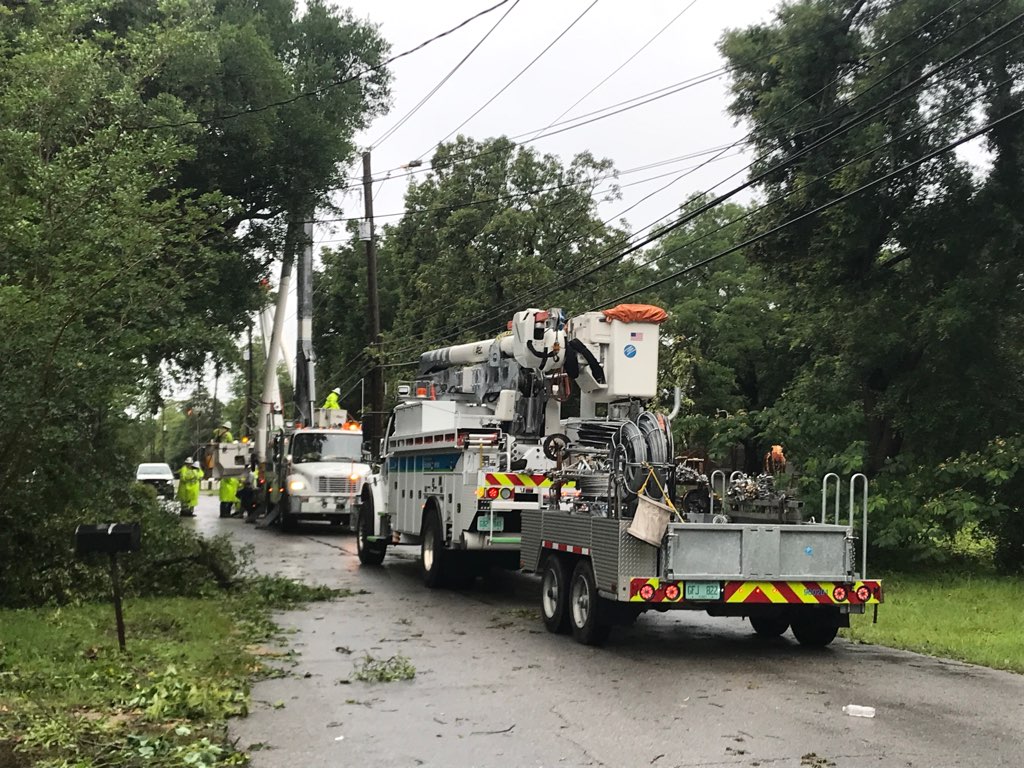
587,611
554,595
433,555
769,626
370,552
815,628
288,523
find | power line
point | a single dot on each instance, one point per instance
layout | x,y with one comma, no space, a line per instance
324,88
890,101
517,76
621,66
821,208
388,133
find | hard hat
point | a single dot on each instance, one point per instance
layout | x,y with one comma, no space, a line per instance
226,424
336,391
190,461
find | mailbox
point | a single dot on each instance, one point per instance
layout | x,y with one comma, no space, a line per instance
107,538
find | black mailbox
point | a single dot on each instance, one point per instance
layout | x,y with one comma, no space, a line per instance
107,538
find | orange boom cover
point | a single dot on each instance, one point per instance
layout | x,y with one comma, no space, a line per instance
637,313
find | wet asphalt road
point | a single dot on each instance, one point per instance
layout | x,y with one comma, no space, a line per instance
492,688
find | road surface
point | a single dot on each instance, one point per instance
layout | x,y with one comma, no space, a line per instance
492,688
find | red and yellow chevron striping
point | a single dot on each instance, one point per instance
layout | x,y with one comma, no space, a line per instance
516,479
653,590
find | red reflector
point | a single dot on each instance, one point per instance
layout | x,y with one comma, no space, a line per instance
646,591
863,593
839,594
492,493
672,591
541,316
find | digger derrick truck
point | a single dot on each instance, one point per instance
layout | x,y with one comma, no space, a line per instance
479,459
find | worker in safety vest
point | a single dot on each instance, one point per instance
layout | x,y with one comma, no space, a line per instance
228,489
332,402
188,487
222,434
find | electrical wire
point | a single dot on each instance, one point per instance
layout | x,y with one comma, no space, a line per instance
324,88
390,132
621,66
515,78
858,119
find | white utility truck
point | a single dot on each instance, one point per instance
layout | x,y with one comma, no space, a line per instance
478,459
315,472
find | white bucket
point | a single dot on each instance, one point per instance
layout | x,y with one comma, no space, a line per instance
650,521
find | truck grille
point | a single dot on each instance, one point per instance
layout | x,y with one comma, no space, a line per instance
341,485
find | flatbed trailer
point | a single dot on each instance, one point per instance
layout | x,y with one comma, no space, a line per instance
596,574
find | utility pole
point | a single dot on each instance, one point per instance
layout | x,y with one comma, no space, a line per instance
304,356
246,415
372,420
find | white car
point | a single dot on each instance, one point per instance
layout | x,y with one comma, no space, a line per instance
159,476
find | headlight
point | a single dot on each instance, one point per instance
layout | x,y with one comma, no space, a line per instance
296,485
355,477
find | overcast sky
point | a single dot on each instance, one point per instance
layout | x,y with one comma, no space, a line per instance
607,35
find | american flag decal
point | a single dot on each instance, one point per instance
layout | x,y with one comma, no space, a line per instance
636,336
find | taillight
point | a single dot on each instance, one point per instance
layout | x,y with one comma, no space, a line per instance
492,493
646,591
863,593
839,594
672,592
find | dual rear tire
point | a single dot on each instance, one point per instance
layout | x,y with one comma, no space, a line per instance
571,603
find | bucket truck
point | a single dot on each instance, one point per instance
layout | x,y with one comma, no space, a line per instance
478,461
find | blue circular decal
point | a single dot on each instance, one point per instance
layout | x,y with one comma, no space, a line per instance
630,350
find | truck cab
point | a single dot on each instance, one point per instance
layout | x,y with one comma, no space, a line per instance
318,472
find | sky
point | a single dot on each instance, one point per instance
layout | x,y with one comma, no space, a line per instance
608,34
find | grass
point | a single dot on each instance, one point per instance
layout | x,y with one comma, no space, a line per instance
978,618
70,699
373,670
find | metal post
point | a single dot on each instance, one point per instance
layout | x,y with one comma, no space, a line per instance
304,337
372,429
115,579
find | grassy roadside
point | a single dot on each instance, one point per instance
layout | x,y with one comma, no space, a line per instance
69,699
971,617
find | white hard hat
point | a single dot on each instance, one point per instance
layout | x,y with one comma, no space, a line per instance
190,460
336,391
226,424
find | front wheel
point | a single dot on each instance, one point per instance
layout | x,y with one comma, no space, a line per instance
432,551
370,552
586,609
554,595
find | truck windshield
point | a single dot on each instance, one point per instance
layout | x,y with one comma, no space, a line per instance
326,446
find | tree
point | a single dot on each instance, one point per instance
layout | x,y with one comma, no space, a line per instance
906,299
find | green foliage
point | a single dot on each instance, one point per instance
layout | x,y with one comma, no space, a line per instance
136,228
374,670
69,699
971,616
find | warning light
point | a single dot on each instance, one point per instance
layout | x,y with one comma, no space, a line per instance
646,591
672,592
492,493
863,593
839,594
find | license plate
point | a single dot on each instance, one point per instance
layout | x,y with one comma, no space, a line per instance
702,590
483,523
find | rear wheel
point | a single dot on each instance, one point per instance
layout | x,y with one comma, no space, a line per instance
433,555
769,626
554,595
816,628
587,611
370,552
